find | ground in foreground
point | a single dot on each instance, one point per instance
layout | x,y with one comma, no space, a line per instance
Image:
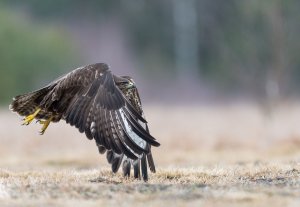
242,184
209,156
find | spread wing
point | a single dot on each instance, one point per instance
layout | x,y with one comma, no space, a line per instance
89,99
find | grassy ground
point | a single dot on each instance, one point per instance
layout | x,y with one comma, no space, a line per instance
244,184
210,156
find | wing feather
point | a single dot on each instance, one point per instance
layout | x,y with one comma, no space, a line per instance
144,167
106,137
127,139
139,130
101,110
90,119
81,102
99,134
134,113
114,142
84,118
127,150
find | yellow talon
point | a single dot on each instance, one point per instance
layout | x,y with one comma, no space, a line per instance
28,119
45,125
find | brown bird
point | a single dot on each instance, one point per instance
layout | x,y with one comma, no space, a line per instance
106,107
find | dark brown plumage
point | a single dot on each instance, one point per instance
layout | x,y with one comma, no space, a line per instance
107,108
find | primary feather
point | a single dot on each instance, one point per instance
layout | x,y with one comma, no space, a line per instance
106,107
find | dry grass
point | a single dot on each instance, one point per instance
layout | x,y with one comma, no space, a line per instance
210,156
248,184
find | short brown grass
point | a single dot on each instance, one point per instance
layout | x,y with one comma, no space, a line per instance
247,183
210,156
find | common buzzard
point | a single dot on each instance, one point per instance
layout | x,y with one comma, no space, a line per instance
106,107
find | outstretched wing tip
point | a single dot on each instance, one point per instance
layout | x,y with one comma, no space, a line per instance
157,144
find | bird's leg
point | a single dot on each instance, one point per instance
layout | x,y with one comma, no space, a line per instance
28,119
45,125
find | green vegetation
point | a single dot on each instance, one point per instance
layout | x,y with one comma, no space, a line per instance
30,54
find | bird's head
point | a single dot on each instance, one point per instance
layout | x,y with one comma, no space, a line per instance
124,82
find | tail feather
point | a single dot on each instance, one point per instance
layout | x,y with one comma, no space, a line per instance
26,104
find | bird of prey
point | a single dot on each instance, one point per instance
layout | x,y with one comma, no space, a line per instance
106,107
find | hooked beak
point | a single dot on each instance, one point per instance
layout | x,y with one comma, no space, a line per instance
130,85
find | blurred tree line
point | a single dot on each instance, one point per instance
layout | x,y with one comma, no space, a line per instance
239,45
29,54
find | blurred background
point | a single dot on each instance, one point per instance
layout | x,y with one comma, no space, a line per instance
212,74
